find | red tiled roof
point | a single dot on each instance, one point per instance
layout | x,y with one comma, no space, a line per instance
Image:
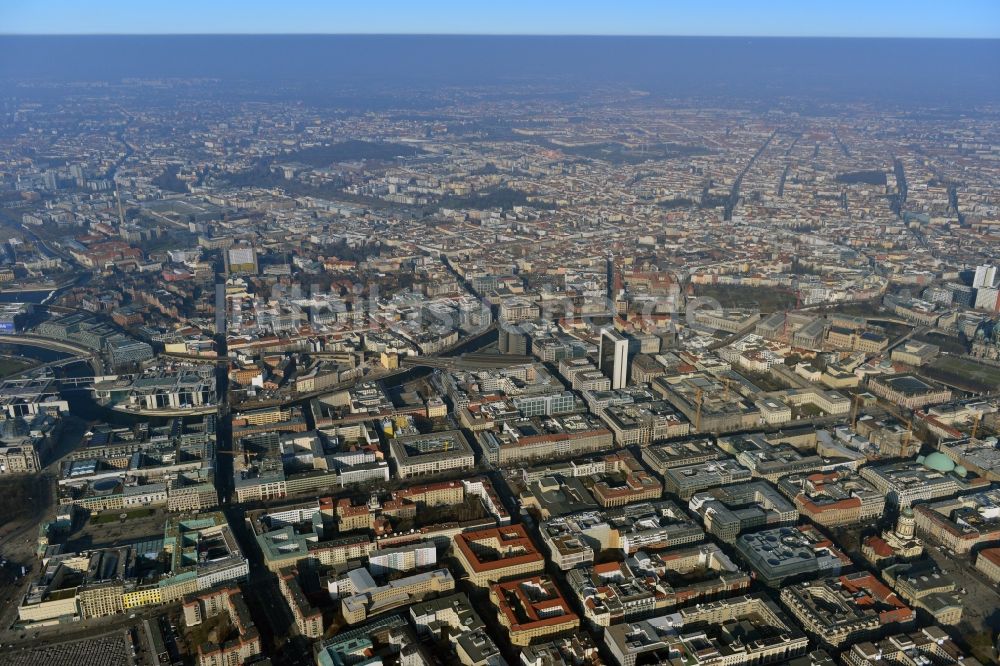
510,536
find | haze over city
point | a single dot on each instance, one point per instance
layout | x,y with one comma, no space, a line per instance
527,333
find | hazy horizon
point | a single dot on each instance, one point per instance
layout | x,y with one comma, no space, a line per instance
947,72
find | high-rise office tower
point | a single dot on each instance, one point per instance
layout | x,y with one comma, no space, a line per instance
613,357
986,276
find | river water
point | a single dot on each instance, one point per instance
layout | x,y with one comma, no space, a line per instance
80,399
24,296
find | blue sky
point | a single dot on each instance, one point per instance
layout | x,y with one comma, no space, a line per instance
828,18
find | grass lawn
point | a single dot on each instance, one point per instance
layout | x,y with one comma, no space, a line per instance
112,516
8,366
962,371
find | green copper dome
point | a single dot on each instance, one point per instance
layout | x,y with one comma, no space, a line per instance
939,462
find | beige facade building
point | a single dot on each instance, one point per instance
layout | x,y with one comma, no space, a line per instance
697,633
963,522
308,619
834,498
532,608
847,608
22,459
988,561
930,645
907,391
228,600
101,600
498,554
371,600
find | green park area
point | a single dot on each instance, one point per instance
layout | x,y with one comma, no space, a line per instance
10,365
767,299
967,373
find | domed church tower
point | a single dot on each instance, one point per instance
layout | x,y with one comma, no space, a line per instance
906,526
